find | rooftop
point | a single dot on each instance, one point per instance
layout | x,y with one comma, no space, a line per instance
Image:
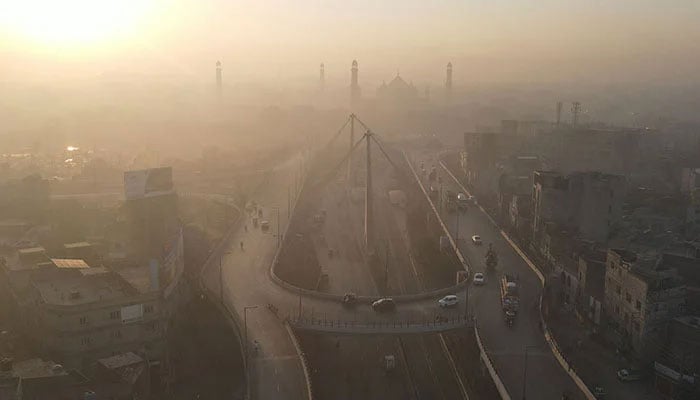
69,263
76,245
97,284
120,360
37,368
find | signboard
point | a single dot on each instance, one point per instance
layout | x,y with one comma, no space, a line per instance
148,182
132,313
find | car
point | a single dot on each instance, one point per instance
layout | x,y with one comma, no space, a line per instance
629,375
349,299
479,279
384,304
448,301
462,201
476,239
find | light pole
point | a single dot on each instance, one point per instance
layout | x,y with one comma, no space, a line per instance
527,347
279,234
221,276
245,328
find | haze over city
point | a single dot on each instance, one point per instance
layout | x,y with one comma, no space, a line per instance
349,199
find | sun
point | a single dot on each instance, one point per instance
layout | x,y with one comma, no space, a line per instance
69,22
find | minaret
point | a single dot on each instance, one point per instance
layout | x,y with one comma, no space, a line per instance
354,86
448,81
322,77
218,80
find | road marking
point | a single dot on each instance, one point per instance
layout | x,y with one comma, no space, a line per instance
462,388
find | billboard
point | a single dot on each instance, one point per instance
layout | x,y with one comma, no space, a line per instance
132,313
148,182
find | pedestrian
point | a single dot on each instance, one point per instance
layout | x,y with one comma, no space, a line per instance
241,245
245,227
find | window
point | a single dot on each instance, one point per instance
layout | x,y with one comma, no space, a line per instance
618,289
115,314
617,310
83,320
86,341
116,334
636,326
628,297
638,306
148,309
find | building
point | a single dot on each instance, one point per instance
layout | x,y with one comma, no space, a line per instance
677,367
355,93
587,203
219,81
121,377
642,294
152,214
591,279
78,310
448,82
397,93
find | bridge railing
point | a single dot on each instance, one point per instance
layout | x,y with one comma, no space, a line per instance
378,326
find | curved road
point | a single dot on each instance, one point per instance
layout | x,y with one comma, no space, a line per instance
276,370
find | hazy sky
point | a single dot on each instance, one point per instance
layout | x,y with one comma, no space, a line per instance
275,41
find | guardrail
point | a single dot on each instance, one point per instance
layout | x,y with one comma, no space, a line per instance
549,338
381,327
404,298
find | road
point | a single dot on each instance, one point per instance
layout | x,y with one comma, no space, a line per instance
506,346
276,370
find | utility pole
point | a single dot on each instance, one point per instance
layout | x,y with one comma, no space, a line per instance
352,142
221,277
386,267
245,328
369,217
279,234
289,203
575,111
457,233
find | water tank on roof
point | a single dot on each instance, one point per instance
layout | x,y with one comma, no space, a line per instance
89,395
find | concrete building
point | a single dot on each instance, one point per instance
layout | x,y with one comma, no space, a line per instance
642,294
586,203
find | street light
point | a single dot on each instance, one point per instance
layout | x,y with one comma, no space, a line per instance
245,328
279,234
221,276
525,370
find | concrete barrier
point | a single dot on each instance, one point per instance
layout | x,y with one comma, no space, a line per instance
502,391
304,362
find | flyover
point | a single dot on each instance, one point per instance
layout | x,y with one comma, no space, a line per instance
240,274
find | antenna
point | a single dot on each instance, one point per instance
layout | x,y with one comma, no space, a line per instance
575,111
559,106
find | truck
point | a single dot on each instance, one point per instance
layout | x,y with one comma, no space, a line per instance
509,294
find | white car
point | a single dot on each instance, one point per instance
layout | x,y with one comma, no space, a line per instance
476,239
448,301
479,279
